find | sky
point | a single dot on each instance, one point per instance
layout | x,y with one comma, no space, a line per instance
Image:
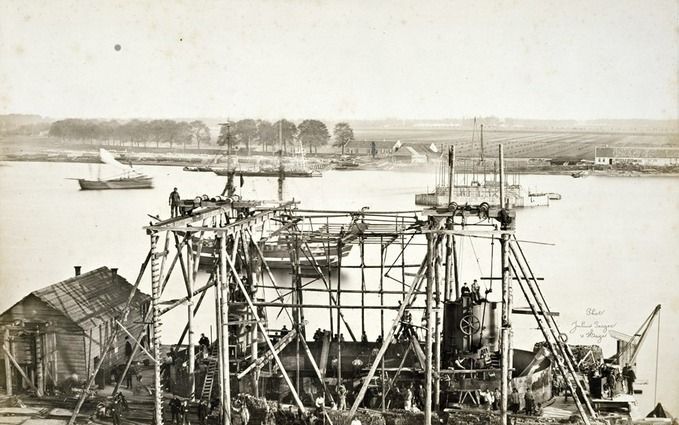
539,59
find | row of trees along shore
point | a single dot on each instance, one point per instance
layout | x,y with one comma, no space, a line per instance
248,133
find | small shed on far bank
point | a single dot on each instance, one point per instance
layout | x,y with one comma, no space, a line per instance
62,329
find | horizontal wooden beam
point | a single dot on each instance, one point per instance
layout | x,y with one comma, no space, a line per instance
226,230
344,291
527,310
187,220
514,278
325,306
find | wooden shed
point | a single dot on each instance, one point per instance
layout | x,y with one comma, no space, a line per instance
61,330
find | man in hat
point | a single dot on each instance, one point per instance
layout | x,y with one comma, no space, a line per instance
175,199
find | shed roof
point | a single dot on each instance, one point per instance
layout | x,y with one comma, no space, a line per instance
92,298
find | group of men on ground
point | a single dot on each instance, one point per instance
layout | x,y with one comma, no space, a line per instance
181,409
530,406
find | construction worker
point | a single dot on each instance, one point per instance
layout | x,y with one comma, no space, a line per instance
408,398
128,349
514,401
630,377
202,412
175,409
342,395
319,403
476,292
115,411
530,402
204,343
174,201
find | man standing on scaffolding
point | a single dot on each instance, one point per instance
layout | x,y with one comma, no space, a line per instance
175,199
406,325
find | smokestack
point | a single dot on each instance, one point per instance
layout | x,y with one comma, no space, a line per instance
114,273
77,270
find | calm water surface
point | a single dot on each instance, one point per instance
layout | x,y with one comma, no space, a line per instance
615,252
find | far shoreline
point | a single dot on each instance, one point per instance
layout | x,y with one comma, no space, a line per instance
401,168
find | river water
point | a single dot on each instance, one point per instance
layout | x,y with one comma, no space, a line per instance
614,254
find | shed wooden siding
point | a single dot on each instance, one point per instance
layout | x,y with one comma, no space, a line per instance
75,317
69,337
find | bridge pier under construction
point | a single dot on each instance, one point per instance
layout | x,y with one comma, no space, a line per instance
229,249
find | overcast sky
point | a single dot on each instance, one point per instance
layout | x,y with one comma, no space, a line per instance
340,59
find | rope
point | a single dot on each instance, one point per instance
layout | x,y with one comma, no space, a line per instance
476,256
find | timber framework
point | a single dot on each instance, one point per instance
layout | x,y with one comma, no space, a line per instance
228,250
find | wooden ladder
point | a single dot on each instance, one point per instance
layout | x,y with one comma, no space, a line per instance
208,383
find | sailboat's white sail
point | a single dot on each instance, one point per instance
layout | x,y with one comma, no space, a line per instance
107,158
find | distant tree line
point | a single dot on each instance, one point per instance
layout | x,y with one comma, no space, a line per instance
247,133
133,133
283,134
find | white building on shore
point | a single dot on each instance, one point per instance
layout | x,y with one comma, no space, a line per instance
659,157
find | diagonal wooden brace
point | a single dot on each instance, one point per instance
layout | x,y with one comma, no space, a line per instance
253,311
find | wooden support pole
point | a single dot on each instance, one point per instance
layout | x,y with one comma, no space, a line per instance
506,327
189,323
437,328
299,326
431,254
155,318
39,361
451,173
9,356
339,311
255,273
361,245
225,384
8,364
403,260
502,176
382,374
218,329
448,274
329,285
55,359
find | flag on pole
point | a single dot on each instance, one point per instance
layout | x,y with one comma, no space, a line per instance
433,148
397,145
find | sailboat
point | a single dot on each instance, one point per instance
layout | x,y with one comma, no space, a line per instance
129,178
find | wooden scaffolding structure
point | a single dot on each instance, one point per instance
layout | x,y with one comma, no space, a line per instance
233,235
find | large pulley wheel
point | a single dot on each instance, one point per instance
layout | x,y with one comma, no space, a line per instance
469,325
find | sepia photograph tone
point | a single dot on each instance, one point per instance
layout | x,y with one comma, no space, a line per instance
324,212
